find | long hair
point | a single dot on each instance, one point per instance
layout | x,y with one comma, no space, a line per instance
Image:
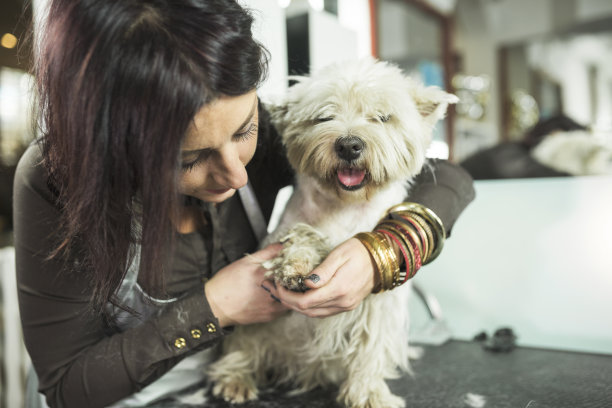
119,82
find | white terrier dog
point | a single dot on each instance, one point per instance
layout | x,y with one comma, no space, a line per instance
356,134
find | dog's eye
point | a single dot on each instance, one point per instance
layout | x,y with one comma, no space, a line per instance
384,118
324,119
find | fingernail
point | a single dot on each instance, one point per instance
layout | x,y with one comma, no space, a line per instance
314,278
275,298
264,288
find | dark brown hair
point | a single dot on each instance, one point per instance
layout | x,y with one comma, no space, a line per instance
119,82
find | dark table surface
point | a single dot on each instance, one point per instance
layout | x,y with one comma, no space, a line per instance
457,374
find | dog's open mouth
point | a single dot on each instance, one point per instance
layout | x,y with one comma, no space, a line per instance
351,178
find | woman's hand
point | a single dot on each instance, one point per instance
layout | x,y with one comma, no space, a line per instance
236,295
345,278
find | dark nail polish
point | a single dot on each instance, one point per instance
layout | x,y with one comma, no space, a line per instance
314,278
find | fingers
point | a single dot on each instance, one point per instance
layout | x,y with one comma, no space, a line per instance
303,301
325,272
319,306
267,253
322,302
320,275
338,284
272,295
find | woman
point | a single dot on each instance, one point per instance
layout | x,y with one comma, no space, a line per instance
129,235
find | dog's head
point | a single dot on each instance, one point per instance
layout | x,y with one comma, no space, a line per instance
357,126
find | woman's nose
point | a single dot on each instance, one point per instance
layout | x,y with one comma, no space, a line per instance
231,172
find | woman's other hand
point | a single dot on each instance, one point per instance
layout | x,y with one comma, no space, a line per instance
337,285
236,295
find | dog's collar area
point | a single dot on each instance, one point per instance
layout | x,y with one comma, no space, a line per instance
351,188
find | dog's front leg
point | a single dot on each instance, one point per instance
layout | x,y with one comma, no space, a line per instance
234,375
365,389
380,351
304,248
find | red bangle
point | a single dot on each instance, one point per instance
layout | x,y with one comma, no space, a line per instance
419,230
417,260
417,253
401,247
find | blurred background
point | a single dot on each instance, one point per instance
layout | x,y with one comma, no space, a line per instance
533,127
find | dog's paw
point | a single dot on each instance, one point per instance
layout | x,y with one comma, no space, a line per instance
290,270
235,390
304,248
385,401
369,397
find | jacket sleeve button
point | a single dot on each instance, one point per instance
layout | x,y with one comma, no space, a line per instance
180,343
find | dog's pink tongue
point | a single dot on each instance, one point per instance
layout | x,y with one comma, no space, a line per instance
351,177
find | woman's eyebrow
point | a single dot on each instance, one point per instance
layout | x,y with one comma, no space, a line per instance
249,117
242,125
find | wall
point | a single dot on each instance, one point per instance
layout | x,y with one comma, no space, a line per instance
532,254
569,61
270,30
483,26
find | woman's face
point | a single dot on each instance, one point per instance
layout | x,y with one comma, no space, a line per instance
218,145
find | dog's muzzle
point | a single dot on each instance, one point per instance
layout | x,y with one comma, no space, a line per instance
350,176
349,148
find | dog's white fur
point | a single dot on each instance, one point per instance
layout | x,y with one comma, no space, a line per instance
358,349
578,152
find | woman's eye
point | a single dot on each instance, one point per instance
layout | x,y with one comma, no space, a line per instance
188,166
248,133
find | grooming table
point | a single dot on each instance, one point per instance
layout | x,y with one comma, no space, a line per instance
461,374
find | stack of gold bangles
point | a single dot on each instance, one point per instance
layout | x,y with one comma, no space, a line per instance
418,233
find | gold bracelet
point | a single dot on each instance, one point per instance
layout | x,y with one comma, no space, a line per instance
366,241
384,257
433,219
391,261
413,254
422,246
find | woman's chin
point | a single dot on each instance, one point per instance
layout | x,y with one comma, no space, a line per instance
216,196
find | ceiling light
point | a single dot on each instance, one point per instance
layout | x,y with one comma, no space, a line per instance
8,40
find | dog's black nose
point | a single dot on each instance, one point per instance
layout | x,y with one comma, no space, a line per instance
349,148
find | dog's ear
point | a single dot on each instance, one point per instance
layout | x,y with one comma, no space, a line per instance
432,102
279,105
278,114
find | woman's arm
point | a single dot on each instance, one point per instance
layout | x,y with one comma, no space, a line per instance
348,275
445,188
78,361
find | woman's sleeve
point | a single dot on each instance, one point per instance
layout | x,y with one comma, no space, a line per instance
445,188
78,361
